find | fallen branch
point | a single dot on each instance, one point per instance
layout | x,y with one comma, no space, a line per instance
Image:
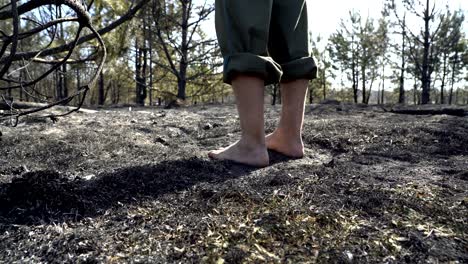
443,111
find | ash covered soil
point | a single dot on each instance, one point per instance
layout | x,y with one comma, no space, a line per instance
120,186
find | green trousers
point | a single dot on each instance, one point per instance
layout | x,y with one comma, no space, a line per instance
266,38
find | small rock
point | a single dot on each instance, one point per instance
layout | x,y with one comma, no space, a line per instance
160,140
133,121
349,255
207,126
89,177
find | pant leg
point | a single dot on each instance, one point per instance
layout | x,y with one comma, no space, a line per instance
289,40
242,28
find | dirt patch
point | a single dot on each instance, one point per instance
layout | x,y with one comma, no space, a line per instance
121,186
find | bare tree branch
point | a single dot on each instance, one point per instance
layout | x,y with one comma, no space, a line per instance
129,15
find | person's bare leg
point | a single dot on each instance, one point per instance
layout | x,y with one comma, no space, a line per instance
251,148
287,138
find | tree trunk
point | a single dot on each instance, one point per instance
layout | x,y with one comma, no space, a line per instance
355,82
378,95
62,87
182,80
21,88
140,74
58,85
117,100
454,66
324,85
275,90
370,87
415,92
444,74
401,98
143,87
382,95
150,39
137,72
280,99
64,81
363,80
425,75
78,82
311,95
101,98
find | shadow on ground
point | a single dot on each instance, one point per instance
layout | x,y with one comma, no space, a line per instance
48,196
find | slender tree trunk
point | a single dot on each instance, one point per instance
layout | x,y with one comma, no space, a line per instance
415,92
363,80
117,100
382,95
21,89
444,74
425,75
139,79
182,80
451,93
324,85
275,90
78,82
150,39
144,68
280,99
401,98
101,98
370,87
58,85
64,81
26,94
454,69
378,95
311,95
137,72
62,87
143,87
213,92
355,82
151,82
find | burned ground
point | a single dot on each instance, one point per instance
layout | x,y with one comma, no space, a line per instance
121,186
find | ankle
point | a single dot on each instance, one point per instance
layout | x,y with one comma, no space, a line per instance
288,134
252,142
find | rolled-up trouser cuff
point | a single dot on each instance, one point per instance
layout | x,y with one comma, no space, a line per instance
302,68
247,63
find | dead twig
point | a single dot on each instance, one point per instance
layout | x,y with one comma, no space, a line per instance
84,21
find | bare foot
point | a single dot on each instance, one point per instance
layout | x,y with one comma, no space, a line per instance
293,148
241,152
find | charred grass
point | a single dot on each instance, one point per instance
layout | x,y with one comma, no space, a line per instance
120,186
